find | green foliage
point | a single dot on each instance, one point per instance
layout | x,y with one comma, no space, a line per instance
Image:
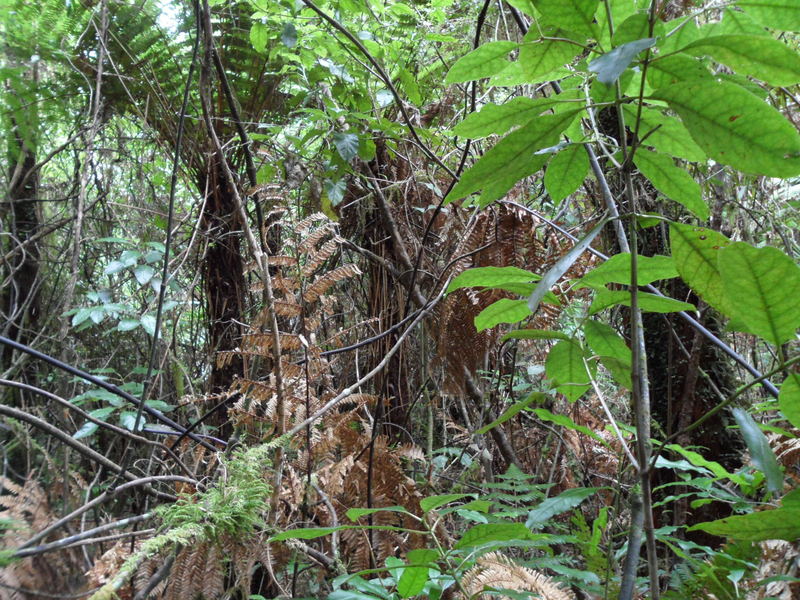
235,505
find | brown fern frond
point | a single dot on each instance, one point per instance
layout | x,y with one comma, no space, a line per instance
282,261
316,259
313,239
261,343
497,571
324,283
310,220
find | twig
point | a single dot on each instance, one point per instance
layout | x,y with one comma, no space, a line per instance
146,481
68,541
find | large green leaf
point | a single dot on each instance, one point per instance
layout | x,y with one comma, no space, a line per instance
762,286
665,133
493,532
354,514
538,57
695,251
607,343
760,452
612,64
567,370
757,56
433,502
574,15
415,575
491,277
789,399
499,118
676,184
735,127
484,61
502,311
551,507
647,302
562,265
617,269
566,172
512,158
565,421
512,410
777,14
778,524
675,68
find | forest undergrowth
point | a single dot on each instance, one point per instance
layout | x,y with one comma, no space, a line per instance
365,300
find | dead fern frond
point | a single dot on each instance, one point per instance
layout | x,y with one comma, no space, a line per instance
310,220
316,259
324,283
497,571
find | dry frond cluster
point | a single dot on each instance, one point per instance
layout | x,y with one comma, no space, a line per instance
26,510
495,571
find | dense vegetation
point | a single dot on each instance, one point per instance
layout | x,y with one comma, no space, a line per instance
375,300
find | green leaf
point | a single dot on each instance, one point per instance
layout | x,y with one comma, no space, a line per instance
612,64
484,61
675,183
538,57
607,343
675,68
86,430
695,251
433,502
565,421
259,36
308,533
647,302
617,269
573,15
778,14
551,507
490,277
735,127
502,311
289,35
635,27
760,452
311,533
562,266
493,532
512,158
665,133
699,461
566,171
115,266
144,273
148,323
535,334
349,595
414,578
517,407
499,118
82,315
102,413
762,286
565,367
778,524
761,57
410,86
346,145
127,419
789,399
354,514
